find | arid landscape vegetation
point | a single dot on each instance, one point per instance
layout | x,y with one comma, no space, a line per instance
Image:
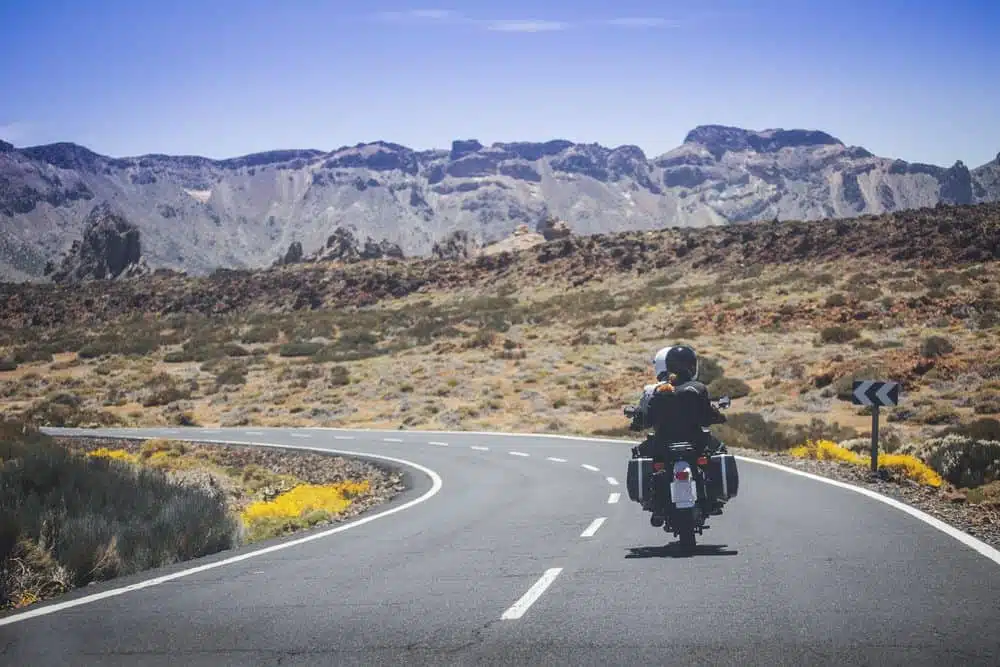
557,338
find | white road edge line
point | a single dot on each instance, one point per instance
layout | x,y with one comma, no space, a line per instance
613,498
436,485
438,444
479,448
968,540
519,454
592,528
612,481
557,460
590,467
518,609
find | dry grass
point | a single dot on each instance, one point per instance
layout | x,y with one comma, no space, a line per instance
785,341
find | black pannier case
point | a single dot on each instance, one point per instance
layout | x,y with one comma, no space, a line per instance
724,478
639,480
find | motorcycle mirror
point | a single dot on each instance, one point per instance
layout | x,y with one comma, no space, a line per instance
725,401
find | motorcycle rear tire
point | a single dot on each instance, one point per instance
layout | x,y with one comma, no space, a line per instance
685,530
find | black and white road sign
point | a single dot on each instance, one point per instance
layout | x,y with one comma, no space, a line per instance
870,392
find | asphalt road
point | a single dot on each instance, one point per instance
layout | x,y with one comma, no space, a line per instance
516,551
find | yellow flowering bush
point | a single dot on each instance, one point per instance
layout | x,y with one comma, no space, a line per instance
825,450
117,454
910,466
304,505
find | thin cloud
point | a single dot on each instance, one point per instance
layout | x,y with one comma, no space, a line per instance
442,16
643,22
520,25
418,15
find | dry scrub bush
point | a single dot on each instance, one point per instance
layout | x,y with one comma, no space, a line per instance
95,517
965,462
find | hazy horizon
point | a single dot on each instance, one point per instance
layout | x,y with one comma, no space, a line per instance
909,80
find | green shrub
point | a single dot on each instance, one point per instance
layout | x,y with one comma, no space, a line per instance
838,334
339,376
986,428
709,370
235,350
231,375
300,349
63,409
835,300
752,431
732,387
121,344
936,346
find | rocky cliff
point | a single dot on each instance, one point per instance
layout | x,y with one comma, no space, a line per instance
197,214
110,249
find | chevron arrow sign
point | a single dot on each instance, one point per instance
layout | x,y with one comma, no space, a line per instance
870,392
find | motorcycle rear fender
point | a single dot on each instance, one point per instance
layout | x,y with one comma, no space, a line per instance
683,493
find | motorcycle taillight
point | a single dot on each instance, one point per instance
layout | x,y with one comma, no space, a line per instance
658,466
682,475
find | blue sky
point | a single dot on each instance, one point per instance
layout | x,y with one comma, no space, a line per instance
910,79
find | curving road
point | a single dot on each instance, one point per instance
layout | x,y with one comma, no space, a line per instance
519,550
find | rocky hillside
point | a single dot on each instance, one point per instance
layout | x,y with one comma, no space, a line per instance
197,214
936,238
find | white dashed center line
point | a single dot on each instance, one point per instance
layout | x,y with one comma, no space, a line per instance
552,458
392,440
592,528
300,435
519,454
479,448
612,481
613,498
254,433
343,437
518,608
590,467
438,444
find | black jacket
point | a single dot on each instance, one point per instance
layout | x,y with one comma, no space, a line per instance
679,415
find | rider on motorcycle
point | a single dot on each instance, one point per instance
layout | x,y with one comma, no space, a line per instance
677,407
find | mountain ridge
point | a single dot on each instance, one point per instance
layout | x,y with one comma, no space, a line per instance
197,214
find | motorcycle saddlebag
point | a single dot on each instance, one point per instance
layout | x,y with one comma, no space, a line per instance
724,479
639,479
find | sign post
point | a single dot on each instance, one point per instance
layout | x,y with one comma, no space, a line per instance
875,394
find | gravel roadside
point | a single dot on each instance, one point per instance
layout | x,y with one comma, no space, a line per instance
982,521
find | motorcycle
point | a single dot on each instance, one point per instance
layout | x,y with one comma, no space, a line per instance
684,489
